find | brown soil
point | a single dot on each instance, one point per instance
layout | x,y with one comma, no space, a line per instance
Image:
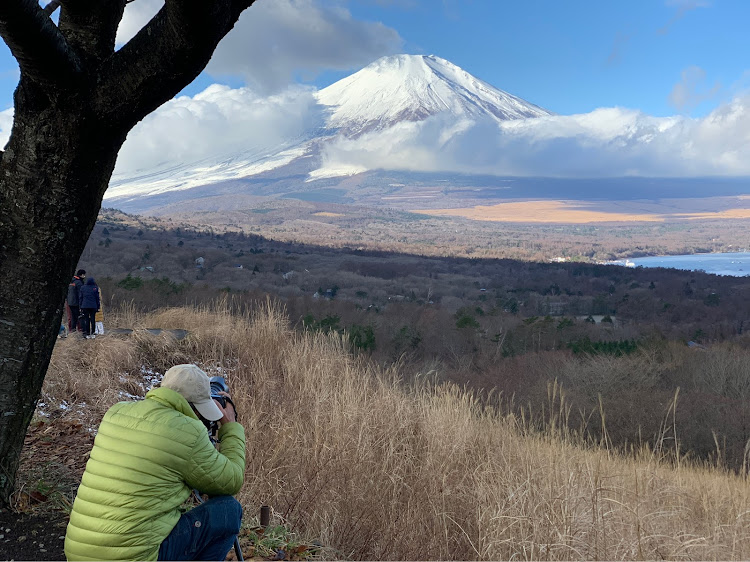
25,536
52,462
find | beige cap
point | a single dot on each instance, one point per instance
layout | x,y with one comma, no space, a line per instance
192,382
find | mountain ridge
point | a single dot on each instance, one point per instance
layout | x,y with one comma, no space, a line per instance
412,88
390,92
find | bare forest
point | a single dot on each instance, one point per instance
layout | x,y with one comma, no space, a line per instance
621,343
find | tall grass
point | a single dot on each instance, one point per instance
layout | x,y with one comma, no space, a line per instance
347,452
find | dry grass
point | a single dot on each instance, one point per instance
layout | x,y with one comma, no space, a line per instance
345,452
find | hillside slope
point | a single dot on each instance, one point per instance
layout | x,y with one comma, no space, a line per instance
343,451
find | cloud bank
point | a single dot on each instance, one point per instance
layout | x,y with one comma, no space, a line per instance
275,40
220,121
608,142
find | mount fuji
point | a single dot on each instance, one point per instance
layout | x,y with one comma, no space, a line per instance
393,100
412,88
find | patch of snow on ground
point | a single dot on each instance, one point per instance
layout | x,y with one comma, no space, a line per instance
150,378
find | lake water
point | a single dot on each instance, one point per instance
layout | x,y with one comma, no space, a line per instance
736,264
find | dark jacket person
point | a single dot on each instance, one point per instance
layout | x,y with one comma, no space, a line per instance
72,301
147,457
88,298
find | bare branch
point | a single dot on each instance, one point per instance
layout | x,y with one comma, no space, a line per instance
90,26
50,8
36,43
165,56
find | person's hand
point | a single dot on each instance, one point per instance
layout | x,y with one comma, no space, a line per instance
229,414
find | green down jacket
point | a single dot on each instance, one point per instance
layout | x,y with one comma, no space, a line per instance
147,456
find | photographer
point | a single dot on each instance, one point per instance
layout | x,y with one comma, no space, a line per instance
147,457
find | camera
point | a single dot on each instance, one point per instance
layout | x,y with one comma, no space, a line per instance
218,385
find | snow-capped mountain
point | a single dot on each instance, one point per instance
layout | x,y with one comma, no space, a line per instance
390,96
412,88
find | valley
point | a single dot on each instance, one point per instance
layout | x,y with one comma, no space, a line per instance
522,232
495,325
448,316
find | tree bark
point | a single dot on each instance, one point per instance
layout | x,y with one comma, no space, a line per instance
42,234
75,103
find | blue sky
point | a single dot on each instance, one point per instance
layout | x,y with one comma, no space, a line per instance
577,55
567,56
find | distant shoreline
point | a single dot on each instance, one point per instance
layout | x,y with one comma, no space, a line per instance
735,264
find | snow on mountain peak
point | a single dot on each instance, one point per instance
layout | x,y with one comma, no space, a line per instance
412,88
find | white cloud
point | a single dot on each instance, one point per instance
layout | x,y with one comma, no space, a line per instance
6,124
276,39
690,91
137,14
682,8
615,55
608,142
218,121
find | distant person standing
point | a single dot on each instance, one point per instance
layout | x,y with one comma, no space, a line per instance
90,302
74,290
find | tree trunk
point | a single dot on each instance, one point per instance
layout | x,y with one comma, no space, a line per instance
57,145
75,103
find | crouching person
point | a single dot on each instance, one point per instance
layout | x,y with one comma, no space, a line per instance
147,457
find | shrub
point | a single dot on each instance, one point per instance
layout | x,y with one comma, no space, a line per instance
616,348
130,283
464,319
362,338
327,324
406,339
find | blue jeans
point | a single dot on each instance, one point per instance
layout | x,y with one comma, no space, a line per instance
206,532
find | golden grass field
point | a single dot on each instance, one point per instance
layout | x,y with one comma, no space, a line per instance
574,212
327,214
346,453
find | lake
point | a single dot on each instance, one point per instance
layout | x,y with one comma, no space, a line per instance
736,264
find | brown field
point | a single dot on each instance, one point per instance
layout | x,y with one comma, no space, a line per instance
327,214
573,213
728,214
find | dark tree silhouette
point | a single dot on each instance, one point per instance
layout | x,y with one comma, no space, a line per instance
75,103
